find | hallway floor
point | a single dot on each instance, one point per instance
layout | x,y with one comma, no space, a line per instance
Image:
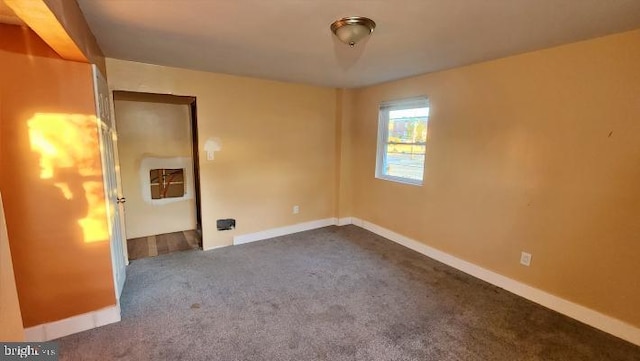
152,246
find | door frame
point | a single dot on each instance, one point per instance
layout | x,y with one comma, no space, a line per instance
191,103
196,164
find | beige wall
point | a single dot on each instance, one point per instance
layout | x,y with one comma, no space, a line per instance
11,329
51,181
344,119
536,152
153,130
278,145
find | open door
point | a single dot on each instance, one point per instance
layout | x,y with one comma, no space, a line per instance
112,189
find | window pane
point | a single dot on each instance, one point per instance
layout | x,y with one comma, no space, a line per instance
405,161
174,190
166,183
406,129
154,176
406,143
402,153
155,191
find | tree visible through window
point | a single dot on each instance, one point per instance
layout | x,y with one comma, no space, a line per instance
402,140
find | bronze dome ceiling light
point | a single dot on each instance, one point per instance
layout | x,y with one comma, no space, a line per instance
352,29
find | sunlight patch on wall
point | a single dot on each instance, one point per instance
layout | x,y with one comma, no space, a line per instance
70,159
64,188
94,225
65,141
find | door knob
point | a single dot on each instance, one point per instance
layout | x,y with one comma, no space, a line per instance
121,200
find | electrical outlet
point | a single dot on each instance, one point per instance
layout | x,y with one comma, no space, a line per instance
296,209
525,259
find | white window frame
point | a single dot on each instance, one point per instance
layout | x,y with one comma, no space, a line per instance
383,137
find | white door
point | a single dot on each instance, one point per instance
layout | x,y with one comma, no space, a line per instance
113,193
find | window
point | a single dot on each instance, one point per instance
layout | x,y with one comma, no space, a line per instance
166,183
402,140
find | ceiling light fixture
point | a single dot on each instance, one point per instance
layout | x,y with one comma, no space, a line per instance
352,29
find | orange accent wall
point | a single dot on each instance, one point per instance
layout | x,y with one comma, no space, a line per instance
11,329
51,181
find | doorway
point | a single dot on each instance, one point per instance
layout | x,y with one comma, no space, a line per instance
158,153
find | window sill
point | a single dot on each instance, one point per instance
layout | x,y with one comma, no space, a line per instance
407,181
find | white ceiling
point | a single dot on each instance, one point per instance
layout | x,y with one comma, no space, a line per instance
290,40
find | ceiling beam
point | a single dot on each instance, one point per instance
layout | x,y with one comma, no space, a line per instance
37,15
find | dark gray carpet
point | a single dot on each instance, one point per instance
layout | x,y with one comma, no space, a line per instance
328,294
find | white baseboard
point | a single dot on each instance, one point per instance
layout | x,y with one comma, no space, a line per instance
214,247
71,325
581,313
344,221
282,231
